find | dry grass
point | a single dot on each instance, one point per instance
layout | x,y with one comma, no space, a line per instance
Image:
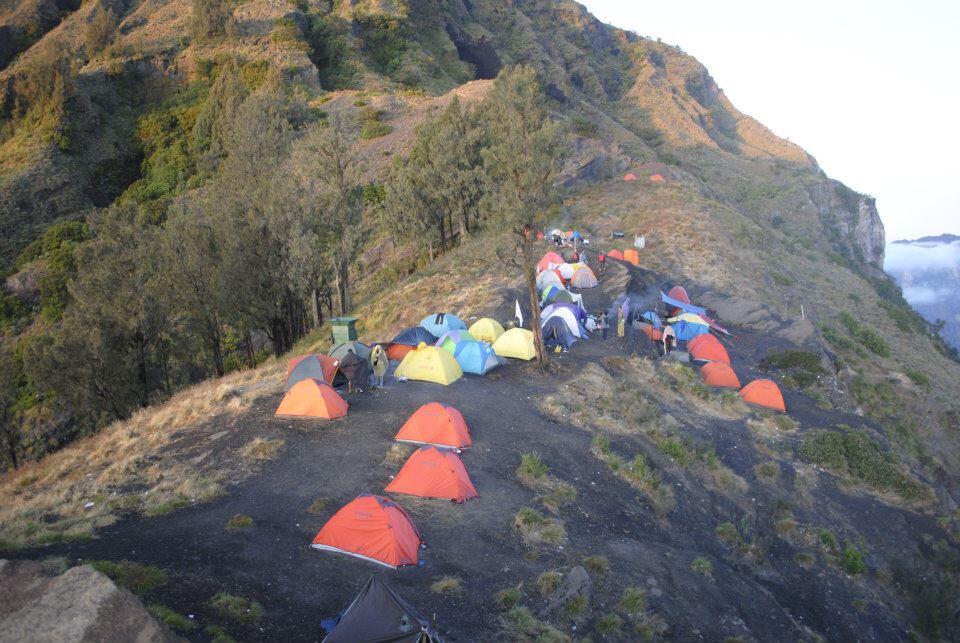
261,449
447,585
537,529
554,494
240,521
548,582
398,453
638,473
319,506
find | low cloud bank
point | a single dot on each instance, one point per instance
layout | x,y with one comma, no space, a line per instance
902,257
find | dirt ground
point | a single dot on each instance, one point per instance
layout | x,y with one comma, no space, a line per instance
761,596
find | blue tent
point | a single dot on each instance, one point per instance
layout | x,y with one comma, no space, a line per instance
413,336
556,333
685,331
676,303
476,357
442,322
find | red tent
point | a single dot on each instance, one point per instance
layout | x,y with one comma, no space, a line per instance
434,472
436,424
373,528
708,348
616,253
720,375
629,176
657,178
312,398
547,259
632,256
764,393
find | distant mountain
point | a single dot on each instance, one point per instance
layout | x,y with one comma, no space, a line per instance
928,271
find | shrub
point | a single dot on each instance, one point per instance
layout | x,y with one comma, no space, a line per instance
447,585
727,532
218,634
917,377
371,126
260,449
867,336
701,565
548,582
851,560
804,367
239,521
135,577
531,467
237,608
100,30
583,126
175,620
576,606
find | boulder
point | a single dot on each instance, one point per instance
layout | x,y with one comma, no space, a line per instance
576,583
79,605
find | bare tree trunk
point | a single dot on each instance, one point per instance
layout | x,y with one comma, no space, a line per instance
251,356
315,309
430,250
464,227
530,276
343,288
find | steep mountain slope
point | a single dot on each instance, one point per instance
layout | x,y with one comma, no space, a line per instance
928,271
840,522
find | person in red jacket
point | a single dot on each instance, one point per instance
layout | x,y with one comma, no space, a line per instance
602,259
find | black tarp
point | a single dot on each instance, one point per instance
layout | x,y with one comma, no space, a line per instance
355,369
379,615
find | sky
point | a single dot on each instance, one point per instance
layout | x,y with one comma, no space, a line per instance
869,88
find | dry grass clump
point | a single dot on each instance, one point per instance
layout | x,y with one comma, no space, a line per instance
261,449
537,529
548,582
318,506
398,453
554,494
240,521
767,471
597,565
447,585
638,472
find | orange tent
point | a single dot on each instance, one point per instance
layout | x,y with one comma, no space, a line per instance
708,348
657,178
312,398
373,528
720,375
436,424
679,293
398,351
632,256
654,334
629,176
434,472
764,393
616,253
547,259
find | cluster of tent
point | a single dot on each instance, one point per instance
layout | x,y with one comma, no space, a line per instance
563,318
630,255
654,178
554,270
690,324
377,529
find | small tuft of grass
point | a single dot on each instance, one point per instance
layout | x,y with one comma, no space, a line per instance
178,622
851,560
727,533
318,506
701,565
531,469
507,598
218,635
447,585
535,528
398,453
805,559
633,600
575,607
548,582
237,608
240,521
597,565
767,471
609,625
260,449
137,578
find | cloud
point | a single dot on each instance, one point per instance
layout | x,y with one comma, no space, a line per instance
902,257
920,295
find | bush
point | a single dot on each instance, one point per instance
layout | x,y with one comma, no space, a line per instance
237,608
867,336
851,560
531,467
597,565
917,377
584,127
548,582
609,624
100,30
371,126
447,585
804,367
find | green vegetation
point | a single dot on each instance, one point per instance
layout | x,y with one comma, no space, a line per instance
535,528
609,624
218,634
237,608
548,582
532,467
867,336
802,367
447,585
917,377
372,125
637,472
597,565
633,600
767,471
178,622
507,598
855,454
139,579
240,521
851,560
702,565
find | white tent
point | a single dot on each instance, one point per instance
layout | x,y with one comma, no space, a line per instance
547,278
567,269
568,317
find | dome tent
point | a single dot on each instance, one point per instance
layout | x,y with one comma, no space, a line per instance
720,375
434,472
441,323
312,398
449,340
551,258
379,614
707,348
569,319
477,358
556,333
548,278
429,364
316,366
584,278
486,330
362,350
516,343
408,339
436,424
764,393
373,528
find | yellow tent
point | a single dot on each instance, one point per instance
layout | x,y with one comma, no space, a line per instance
516,342
429,364
486,330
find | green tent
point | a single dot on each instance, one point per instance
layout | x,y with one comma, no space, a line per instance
340,350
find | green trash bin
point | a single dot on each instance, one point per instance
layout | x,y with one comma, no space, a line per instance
343,329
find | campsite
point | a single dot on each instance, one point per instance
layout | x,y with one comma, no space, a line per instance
323,467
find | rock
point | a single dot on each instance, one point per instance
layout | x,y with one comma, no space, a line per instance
576,583
79,605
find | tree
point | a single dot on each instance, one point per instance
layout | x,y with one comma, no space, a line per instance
338,208
522,160
100,30
209,19
211,132
441,180
9,390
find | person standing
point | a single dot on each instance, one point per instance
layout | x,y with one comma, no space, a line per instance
604,324
621,322
602,259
